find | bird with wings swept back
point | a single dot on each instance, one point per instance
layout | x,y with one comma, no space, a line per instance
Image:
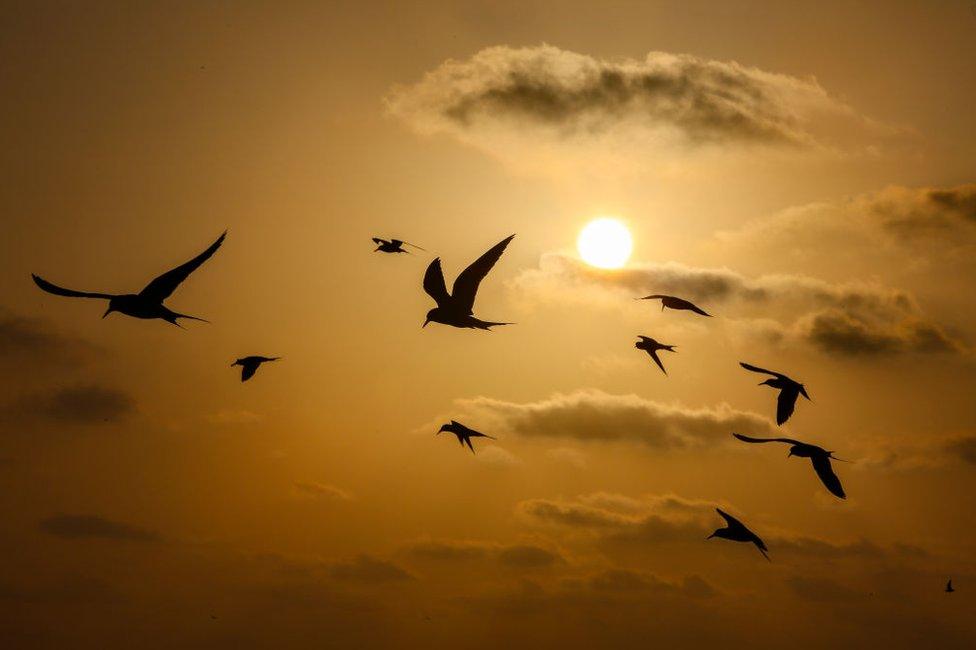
789,390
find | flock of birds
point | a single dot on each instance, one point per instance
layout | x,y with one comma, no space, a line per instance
456,309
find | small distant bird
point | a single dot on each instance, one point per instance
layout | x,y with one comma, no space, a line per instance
949,588
789,390
819,457
463,433
651,346
392,245
249,365
737,532
148,303
673,302
456,308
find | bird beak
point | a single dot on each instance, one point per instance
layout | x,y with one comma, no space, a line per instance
710,536
425,324
107,312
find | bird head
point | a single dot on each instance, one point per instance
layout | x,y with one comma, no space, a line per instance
791,452
444,427
111,307
768,382
430,316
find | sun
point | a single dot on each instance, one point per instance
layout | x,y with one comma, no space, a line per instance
605,243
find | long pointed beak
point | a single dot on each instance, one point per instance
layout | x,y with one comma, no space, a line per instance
425,324
710,536
107,312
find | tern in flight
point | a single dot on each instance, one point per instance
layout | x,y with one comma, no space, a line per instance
249,365
949,588
737,532
463,433
673,302
789,390
148,303
392,245
651,346
819,457
455,308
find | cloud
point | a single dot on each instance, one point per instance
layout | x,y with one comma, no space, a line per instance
963,448
671,100
851,318
368,569
567,455
93,526
34,341
516,556
631,581
820,589
83,404
314,488
595,416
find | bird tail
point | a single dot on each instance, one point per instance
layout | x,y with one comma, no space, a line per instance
488,325
175,316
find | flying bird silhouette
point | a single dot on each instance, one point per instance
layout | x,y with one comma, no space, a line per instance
463,433
673,302
456,308
651,346
789,390
736,531
148,303
819,457
949,588
249,365
392,245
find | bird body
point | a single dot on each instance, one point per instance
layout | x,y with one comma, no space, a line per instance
392,245
789,391
148,303
819,457
651,346
736,531
673,302
949,588
249,365
463,433
456,308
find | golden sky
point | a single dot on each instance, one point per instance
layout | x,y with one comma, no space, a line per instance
804,171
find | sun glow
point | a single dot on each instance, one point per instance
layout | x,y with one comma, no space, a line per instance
605,243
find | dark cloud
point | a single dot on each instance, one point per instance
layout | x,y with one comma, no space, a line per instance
630,581
678,98
926,212
93,526
821,589
519,556
84,404
849,319
593,415
30,340
365,568
525,556
963,448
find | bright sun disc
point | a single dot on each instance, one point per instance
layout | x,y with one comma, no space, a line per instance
605,243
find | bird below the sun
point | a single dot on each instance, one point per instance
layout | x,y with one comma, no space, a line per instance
148,303
651,346
456,308
392,246
789,390
673,302
249,365
819,457
463,433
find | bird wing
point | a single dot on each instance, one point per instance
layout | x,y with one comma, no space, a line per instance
731,521
743,438
466,284
803,391
378,241
655,296
761,545
434,283
823,468
470,446
248,370
70,293
695,308
653,355
785,404
758,369
163,286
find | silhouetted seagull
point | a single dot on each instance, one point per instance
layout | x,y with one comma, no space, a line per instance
455,308
148,303
673,302
789,390
819,457
249,365
651,346
737,532
392,245
463,433
949,588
